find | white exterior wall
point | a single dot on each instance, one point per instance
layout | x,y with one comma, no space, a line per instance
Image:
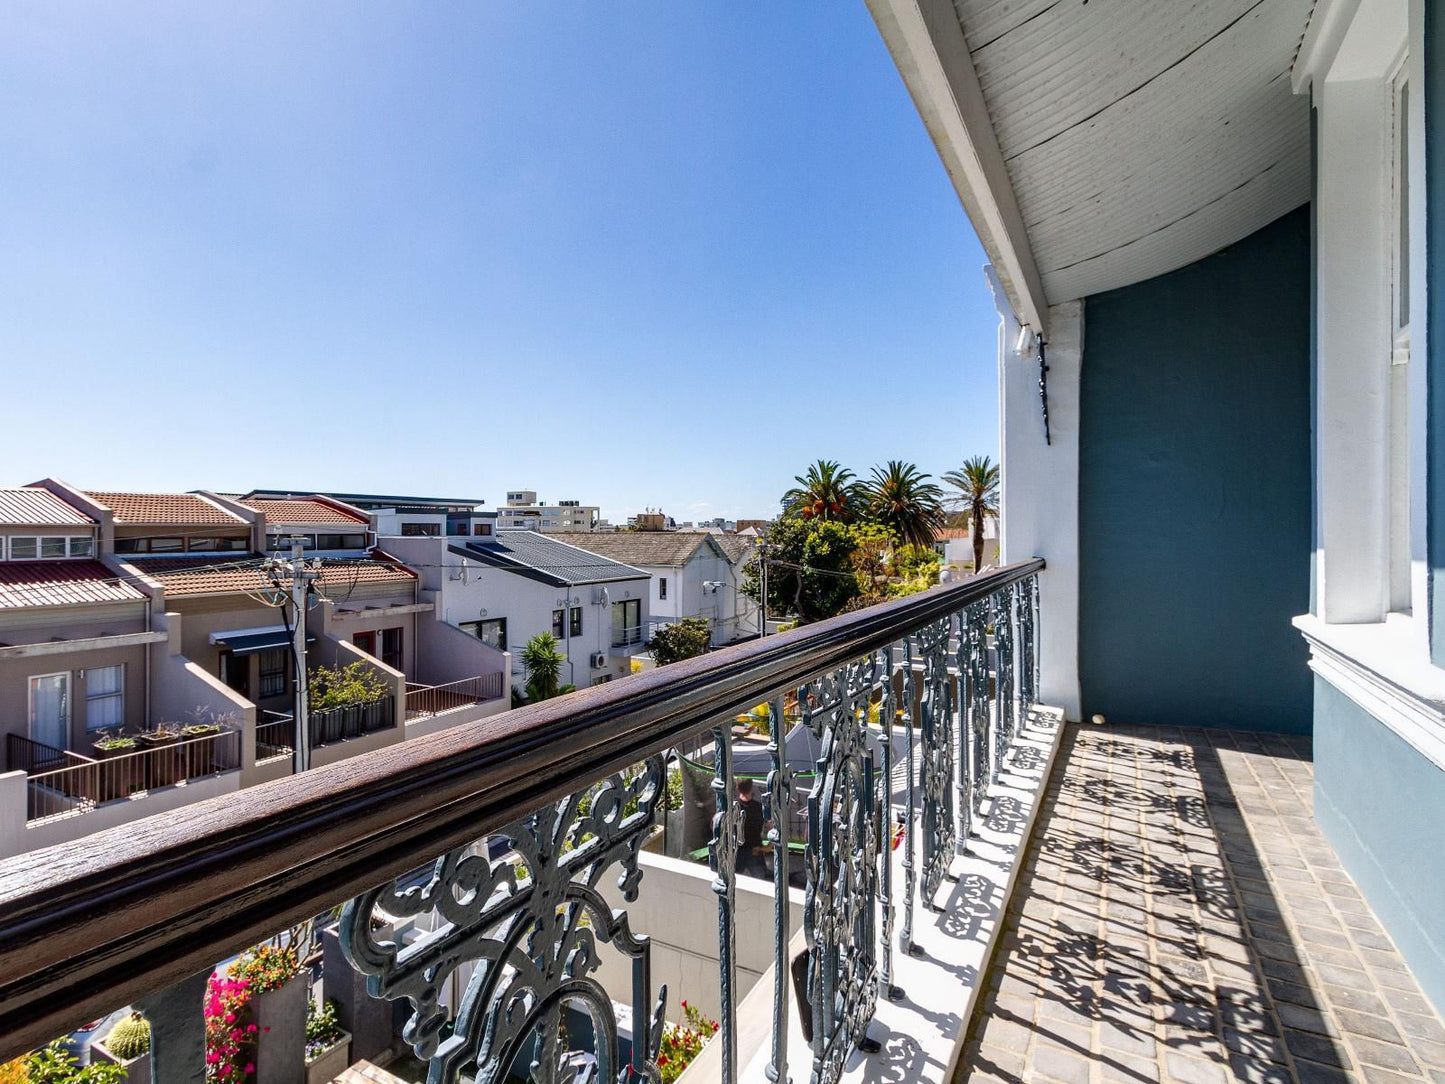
1039,506
728,613
472,591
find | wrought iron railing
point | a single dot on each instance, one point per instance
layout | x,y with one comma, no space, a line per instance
142,917
426,700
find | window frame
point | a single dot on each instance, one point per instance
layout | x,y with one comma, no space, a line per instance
576,620
393,654
263,674
92,697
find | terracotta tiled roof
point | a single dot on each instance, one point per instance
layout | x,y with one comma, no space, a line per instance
31,506
182,576
60,583
303,511
945,534
167,509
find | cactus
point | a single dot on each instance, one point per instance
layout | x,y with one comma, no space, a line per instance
130,1038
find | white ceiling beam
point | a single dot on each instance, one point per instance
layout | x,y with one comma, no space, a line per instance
932,55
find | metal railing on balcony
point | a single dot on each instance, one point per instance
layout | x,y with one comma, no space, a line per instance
115,919
628,637
275,735
78,784
423,701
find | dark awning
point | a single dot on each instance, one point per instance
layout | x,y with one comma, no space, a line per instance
248,643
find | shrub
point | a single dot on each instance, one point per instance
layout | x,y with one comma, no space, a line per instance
344,686
130,1038
681,1043
230,1033
683,639
267,967
322,1027
56,1064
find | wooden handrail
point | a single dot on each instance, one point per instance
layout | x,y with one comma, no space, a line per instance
91,925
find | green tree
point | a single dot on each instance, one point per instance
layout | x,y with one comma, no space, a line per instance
977,499
810,568
902,498
828,491
683,639
543,663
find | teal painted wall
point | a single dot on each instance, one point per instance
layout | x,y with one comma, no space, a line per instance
1195,518
1379,803
1434,60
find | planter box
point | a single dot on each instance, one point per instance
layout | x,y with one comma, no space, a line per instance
118,773
330,1063
368,1019
137,1070
351,721
281,1051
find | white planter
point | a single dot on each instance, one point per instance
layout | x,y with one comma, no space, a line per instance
137,1070
331,1062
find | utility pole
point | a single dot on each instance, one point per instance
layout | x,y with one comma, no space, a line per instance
302,577
763,594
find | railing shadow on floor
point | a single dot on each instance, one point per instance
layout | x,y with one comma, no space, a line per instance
1078,977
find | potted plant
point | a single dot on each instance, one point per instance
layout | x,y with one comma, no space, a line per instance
277,994
128,1045
200,756
120,779
328,1044
162,759
347,702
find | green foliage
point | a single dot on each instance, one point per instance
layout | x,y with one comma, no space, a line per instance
344,686
323,1029
55,1064
828,491
683,639
810,568
130,1038
977,484
543,663
108,740
903,499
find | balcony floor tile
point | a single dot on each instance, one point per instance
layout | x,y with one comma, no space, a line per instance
1182,918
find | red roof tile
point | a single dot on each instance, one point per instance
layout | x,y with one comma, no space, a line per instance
163,508
182,576
60,583
304,512
31,506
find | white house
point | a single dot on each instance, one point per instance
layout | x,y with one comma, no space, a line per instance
955,545
508,588
693,573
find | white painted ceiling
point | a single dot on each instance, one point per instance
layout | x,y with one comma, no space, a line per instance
1141,135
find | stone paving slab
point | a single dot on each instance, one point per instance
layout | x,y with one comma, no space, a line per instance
1179,917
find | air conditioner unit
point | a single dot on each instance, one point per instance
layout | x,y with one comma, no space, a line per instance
599,660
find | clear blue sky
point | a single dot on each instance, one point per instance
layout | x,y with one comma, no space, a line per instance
643,254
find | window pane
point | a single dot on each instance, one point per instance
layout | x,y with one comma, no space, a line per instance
52,547
129,545
80,545
104,697
165,545
23,548
557,618
576,620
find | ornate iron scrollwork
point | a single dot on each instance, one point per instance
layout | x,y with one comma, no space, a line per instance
1003,644
1028,643
527,924
842,870
975,646
936,709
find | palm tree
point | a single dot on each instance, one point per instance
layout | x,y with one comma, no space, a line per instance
829,491
977,485
904,499
543,663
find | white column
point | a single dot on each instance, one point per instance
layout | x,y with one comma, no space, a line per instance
1040,484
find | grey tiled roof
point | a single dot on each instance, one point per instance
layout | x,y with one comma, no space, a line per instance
535,555
673,548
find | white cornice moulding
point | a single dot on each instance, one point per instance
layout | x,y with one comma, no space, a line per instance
1416,714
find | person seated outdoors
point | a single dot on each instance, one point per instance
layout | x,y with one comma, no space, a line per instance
750,860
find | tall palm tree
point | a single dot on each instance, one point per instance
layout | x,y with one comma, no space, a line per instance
829,491
977,485
906,501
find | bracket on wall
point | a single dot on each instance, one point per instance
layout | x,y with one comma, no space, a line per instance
1044,388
